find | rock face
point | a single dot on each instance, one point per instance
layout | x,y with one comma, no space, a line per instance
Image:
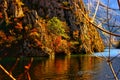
62,9
27,22
14,7
70,11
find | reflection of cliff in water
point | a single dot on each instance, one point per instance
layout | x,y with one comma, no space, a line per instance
66,68
62,68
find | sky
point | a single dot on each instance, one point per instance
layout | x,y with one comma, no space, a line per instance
113,3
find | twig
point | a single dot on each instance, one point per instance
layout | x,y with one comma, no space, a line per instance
109,61
95,25
109,30
28,76
17,60
118,72
104,6
27,67
7,72
114,57
113,72
96,11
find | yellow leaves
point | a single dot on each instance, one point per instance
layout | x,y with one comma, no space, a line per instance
34,34
86,37
26,28
76,33
19,2
65,3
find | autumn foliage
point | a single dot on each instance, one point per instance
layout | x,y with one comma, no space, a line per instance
32,34
57,42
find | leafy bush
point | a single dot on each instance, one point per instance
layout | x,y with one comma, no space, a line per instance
55,26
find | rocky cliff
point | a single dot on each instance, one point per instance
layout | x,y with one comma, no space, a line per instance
48,27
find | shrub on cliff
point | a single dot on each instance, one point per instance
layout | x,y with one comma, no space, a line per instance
55,26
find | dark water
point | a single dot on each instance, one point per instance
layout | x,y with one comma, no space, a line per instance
76,67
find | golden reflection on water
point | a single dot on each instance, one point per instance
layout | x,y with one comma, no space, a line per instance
65,68
87,65
75,67
78,67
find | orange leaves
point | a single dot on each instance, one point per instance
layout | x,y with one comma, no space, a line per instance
15,19
26,28
34,30
10,38
19,26
6,40
38,42
1,16
34,34
69,44
57,42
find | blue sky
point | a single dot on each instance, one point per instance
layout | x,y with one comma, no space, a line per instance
113,3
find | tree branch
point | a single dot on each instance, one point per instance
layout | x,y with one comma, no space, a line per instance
7,72
95,25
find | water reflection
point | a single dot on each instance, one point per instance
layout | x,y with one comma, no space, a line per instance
61,68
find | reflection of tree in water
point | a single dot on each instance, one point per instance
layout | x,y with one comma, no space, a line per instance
61,68
52,69
83,69
87,67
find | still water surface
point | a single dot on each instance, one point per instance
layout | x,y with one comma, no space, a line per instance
76,67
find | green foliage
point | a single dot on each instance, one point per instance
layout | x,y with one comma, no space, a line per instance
55,26
65,3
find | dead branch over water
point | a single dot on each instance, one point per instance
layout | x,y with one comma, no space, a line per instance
7,72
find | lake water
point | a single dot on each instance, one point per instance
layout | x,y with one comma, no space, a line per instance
75,67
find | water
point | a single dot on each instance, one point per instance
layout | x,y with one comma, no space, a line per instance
113,52
76,67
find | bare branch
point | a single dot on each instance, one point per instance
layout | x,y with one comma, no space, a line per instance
95,25
96,11
7,72
113,72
